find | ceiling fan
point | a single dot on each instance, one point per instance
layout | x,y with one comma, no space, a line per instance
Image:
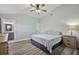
38,8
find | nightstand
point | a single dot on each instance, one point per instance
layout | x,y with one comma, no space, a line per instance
70,41
3,45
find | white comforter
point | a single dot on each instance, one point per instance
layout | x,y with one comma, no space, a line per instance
47,40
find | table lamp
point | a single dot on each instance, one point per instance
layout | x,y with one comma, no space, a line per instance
72,28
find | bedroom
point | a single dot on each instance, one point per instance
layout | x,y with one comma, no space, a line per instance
23,23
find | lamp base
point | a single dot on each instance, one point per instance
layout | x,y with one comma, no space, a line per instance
71,33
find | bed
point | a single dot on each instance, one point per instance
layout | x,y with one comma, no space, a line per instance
46,41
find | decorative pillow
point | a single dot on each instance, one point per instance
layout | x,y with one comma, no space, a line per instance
53,32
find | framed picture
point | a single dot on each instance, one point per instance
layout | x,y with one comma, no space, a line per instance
8,27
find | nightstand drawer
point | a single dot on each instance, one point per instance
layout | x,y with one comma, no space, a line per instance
69,41
70,44
3,48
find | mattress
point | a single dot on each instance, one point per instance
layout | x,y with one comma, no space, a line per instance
47,40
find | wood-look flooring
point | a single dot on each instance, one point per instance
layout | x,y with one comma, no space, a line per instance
26,48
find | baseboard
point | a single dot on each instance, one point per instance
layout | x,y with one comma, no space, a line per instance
12,41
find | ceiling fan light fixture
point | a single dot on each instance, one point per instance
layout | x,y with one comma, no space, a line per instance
38,8
37,11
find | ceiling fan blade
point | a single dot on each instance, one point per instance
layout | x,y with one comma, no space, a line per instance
44,10
32,5
42,5
31,10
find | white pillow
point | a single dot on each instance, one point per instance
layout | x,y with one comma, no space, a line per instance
53,32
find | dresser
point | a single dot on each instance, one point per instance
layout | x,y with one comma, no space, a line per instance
3,45
70,41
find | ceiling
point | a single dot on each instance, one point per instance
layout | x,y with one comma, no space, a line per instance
24,9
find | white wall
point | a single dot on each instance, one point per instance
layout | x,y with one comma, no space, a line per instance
24,25
61,16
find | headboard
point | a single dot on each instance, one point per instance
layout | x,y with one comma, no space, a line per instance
53,32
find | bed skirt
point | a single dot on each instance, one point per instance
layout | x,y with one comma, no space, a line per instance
42,47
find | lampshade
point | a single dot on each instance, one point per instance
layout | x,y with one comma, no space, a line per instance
72,27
